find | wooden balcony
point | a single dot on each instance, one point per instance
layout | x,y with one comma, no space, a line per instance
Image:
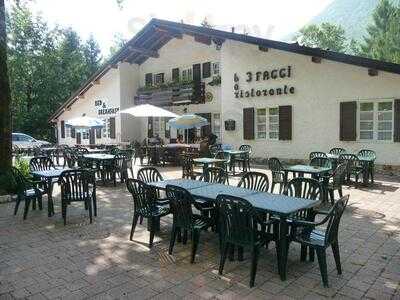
174,94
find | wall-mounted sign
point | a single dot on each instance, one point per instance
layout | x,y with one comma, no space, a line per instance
259,76
230,125
103,109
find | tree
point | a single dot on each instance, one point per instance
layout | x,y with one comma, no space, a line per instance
206,23
5,102
324,36
91,51
383,37
118,42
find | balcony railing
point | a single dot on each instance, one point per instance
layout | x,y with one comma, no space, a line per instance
173,94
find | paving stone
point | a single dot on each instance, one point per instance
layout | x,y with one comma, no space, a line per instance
42,258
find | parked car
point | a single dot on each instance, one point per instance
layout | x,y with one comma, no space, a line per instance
23,140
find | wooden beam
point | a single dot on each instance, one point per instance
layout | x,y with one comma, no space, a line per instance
81,96
97,81
153,44
202,39
316,59
145,52
166,31
372,72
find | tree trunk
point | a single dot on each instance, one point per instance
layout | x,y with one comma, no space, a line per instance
5,97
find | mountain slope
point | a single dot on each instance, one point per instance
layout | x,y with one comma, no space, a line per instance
353,15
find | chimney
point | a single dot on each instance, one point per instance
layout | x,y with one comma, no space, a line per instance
233,29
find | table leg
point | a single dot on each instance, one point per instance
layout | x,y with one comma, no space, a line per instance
365,173
282,248
50,205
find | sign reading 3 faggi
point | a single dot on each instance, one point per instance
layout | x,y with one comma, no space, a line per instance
103,109
267,76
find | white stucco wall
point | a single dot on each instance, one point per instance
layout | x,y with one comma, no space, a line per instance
108,91
319,89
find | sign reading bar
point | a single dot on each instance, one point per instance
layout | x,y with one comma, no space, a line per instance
267,75
103,109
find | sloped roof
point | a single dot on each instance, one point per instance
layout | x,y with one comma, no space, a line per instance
158,32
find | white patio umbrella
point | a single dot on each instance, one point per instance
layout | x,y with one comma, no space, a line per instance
188,121
148,110
85,122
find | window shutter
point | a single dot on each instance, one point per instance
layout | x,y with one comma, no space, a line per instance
175,75
167,128
73,132
396,125
112,128
98,133
63,129
285,123
149,79
197,73
206,69
248,123
150,127
348,121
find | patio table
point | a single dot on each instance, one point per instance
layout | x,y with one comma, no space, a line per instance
49,175
280,205
93,151
365,160
99,156
234,154
206,161
313,171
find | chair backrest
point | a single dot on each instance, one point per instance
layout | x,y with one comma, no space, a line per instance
41,163
142,196
120,160
223,155
351,161
367,153
214,149
323,162
334,216
255,181
75,184
317,154
70,157
238,220
247,148
301,187
215,175
187,166
337,151
149,174
274,164
180,202
19,180
339,174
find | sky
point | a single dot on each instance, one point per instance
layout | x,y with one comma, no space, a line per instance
273,19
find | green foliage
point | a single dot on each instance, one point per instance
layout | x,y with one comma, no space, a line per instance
118,42
383,39
7,183
23,166
45,65
324,36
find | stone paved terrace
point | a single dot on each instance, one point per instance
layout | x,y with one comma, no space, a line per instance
42,259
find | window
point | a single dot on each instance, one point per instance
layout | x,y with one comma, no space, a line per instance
385,121
366,121
273,118
67,131
216,125
85,134
106,129
187,74
376,121
215,68
158,78
261,123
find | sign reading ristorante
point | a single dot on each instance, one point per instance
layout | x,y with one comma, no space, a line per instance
268,76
